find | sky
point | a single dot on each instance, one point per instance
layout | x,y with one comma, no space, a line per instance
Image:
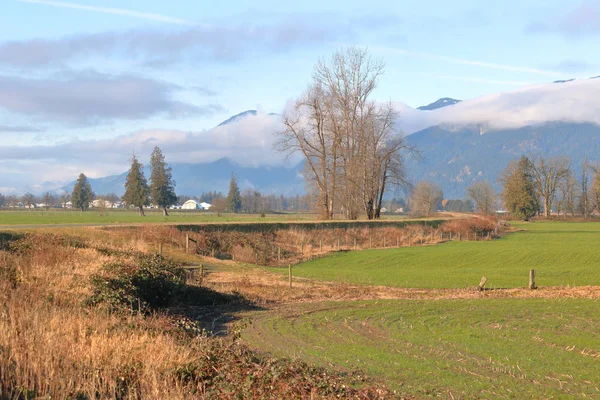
85,84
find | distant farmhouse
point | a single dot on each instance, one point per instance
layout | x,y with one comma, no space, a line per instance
195,205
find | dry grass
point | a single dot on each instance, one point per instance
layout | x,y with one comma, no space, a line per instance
52,345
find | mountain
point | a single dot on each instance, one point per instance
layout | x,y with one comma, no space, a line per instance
443,102
455,158
238,117
193,179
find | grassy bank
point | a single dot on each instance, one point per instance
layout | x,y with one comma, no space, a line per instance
561,253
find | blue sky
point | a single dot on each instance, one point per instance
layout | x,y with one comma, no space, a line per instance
73,71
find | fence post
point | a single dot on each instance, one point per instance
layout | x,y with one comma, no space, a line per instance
354,244
187,243
257,258
302,249
320,245
338,244
290,274
160,249
370,241
278,253
384,242
532,279
397,242
482,284
201,270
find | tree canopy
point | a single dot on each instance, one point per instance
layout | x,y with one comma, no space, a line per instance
234,199
162,186
136,187
519,194
82,193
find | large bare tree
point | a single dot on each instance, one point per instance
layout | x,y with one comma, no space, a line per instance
547,174
349,142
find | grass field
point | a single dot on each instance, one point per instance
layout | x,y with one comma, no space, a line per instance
562,254
43,217
482,348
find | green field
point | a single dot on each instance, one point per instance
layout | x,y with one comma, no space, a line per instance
482,348
49,217
563,254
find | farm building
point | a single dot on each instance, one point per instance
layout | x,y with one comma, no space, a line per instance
195,205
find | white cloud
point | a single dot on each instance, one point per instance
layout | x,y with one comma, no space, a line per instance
575,101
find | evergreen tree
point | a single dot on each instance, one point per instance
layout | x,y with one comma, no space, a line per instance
519,195
234,199
136,187
162,186
82,193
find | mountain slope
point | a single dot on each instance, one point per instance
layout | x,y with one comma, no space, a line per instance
455,158
443,102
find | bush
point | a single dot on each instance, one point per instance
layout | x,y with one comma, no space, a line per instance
150,282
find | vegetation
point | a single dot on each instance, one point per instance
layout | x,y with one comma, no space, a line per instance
448,348
563,254
519,194
136,187
162,187
484,197
234,199
82,193
425,198
55,342
351,150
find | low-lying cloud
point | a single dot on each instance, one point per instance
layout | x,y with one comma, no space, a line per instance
90,98
575,101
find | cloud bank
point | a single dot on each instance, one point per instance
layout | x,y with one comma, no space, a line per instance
575,101
90,98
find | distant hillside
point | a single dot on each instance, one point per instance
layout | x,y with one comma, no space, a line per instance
457,158
443,102
193,179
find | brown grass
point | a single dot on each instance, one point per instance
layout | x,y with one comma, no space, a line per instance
53,345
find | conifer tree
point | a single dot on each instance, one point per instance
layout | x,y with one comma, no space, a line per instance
136,187
162,186
234,199
519,194
82,193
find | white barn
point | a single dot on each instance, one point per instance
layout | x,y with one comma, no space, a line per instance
195,205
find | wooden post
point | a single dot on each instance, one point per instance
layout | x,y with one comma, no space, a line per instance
201,270
384,242
532,279
320,245
338,244
370,242
187,243
482,284
354,244
160,249
302,249
257,258
212,253
459,237
397,242
290,274
278,253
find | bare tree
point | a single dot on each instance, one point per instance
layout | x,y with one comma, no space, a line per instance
567,196
425,198
484,197
547,175
351,149
585,203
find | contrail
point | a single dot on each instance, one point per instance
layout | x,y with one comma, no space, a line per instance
107,10
478,80
453,60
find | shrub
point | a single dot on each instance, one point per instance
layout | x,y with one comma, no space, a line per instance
148,283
